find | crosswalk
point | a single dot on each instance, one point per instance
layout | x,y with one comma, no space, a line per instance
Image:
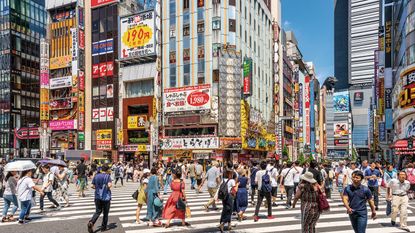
123,207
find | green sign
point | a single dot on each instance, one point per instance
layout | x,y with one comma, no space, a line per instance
81,137
247,67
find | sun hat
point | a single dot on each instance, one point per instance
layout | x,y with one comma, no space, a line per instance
308,176
146,170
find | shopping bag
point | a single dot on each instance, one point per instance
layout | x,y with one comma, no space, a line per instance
388,207
188,213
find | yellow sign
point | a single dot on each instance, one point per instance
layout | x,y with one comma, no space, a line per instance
137,36
141,148
60,62
81,103
154,108
44,95
104,134
120,137
136,122
44,112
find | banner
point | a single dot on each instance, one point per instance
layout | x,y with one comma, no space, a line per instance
103,114
104,139
341,133
381,96
103,69
138,35
307,109
137,122
63,125
191,98
382,131
190,143
102,47
74,48
405,127
61,82
60,62
341,102
247,66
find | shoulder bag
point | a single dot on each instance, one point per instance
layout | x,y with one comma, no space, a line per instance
323,204
180,204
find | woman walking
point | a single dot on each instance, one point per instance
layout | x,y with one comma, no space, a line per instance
227,202
25,187
308,192
142,199
9,196
153,211
242,195
63,184
170,209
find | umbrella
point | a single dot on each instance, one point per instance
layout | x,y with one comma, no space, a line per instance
20,165
56,162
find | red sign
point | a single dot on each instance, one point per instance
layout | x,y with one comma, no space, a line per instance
23,132
307,108
96,3
81,39
198,98
247,85
81,80
103,69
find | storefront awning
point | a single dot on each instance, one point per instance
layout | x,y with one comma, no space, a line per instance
400,144
139,72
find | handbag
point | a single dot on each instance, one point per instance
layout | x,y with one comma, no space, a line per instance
188,213
157,201
388,207
323,204
180,204
135,195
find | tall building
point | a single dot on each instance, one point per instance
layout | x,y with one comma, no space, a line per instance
204,48
22,25
362,41
63,78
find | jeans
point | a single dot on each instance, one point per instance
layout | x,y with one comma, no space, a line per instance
359,222
49,195
289,190
101,206
8,199
25,209
253,189
192,182
261,195
375,193
167,183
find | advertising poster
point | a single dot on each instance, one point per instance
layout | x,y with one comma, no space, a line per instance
102,47
104,139
381,96
110,90
341,102
61,82
144,5
341,133
407,94
190,143
405,127
63,125
60,62
137,122
247,66
138,35
190,98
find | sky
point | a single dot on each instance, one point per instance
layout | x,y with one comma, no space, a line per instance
312,23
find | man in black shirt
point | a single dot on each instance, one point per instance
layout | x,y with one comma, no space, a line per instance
81,172
316,172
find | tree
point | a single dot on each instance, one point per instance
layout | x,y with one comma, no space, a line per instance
301,158
354,154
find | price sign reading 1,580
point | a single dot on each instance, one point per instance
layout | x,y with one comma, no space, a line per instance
137,36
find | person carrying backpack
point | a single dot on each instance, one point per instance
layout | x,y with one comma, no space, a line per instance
263,180
287,179
254,186
119,174
226,193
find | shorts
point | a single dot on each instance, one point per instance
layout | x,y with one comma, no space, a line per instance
199,182
340,187
274,191
212,191
82,183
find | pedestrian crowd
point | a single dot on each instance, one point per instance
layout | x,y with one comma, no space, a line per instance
161,188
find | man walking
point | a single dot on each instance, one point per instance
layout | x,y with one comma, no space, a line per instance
119,174
340,171
81,172
355,197
48,179
198,173
102,184
252,177
297,175
273,173
287,179
371,175
397,192
213,181
263,180
192,174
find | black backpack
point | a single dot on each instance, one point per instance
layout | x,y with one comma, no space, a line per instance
266,183
254,170
223,190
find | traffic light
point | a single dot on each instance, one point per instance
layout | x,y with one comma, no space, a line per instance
410,143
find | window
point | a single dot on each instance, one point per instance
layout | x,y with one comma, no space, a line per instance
201,66
201,52
186,75
186,4
173,81
232,25
172,32
200,39
172,44
173,57
140,88
232,2
200,3
200,27
216,24
186,30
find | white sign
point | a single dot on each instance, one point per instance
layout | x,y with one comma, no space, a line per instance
61,82
191,98
138,35
190,143
74,49
103,114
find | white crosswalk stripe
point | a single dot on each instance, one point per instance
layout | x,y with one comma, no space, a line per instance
124,207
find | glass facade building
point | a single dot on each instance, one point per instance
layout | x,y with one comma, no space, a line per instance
22,25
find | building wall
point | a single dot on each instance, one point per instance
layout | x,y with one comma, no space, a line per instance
341,54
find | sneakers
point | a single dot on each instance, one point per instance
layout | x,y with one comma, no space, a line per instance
256,218
405,229
270,217
393,223
21,221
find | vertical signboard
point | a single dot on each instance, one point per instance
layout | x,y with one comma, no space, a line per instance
247,66
44,80
388,36
307,108
300,100
312,118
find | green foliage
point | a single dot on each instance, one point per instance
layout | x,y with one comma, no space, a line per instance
301,158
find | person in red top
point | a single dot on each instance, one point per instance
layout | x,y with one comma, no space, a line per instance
170,211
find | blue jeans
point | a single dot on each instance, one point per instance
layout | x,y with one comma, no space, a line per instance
192,182
167,183
8,199
359,222
25,209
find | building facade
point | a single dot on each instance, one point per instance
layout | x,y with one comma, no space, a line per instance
206,45
22,25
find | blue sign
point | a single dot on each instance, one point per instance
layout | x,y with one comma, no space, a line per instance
300,101
102,47
382,132
341,102
388,119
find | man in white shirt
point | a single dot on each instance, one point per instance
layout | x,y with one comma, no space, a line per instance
213,181
273,174
48,179
340,171
397,192
262,192
297,175
347,179
287,179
